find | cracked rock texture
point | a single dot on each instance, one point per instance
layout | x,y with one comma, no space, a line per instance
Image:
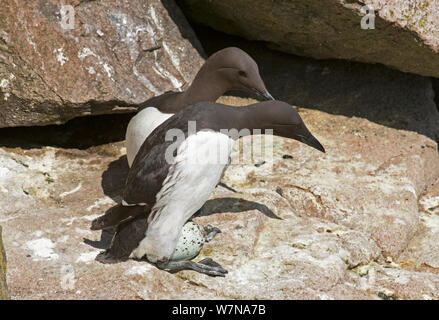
89,57
404,36
346,224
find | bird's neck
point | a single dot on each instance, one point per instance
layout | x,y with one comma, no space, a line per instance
207,86
243,119
252,117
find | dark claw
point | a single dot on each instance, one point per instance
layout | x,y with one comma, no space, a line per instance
208,267
211,232
106,258
209,262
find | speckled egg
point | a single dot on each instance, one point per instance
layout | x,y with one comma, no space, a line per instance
190,243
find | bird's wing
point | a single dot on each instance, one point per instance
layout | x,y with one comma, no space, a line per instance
146,176
144,181
117,215
150,166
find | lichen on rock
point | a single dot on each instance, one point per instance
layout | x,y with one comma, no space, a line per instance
3,286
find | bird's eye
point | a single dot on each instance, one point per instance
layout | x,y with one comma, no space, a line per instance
242,73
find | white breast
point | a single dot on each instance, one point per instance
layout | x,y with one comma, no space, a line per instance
140,127
200,162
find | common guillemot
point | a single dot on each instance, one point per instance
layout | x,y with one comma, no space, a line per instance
163,192
228,69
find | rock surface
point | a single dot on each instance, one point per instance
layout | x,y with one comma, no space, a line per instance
3,286
55,66
304,225
404,37
422,254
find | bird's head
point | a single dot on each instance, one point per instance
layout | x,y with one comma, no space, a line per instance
236,70
285,122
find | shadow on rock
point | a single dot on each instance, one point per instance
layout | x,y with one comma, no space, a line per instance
79,133
113,179
223,205
105,241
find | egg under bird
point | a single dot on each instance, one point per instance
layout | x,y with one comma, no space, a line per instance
228,69
171,179
191,241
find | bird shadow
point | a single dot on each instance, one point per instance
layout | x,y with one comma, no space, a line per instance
220,205
113,183
235,205
105,240
114,177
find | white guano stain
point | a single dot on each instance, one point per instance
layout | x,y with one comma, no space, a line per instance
409,188
154,17
139,270
63,239
429,202
42,249
87,257
174,58
99,203
60,56
38,233
91,70
145,81
108,70
62,195
85,52
68,221
129,34
165,73
83,232
4,85
91,217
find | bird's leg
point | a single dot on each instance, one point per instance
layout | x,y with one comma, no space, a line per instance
211,232
206,266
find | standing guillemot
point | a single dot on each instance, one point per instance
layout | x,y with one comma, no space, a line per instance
228,69
161,194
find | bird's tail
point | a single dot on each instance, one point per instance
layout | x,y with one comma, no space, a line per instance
116,215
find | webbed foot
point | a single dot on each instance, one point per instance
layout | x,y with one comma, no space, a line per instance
107,258
206,266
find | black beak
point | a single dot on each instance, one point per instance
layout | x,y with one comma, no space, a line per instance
312,142
264,95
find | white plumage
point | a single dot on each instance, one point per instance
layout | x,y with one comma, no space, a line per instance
199,164
140,127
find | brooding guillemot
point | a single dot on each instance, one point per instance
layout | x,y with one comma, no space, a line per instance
171,179
228,69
